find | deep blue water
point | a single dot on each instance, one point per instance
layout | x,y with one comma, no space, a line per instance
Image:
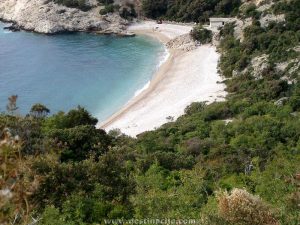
100,73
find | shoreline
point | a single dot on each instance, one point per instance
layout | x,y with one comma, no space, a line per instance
156,35
174,85
138,114
144,93
157,76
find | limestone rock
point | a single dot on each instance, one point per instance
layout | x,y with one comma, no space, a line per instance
259,64
267,19
240,25
281,101
44,16
183,42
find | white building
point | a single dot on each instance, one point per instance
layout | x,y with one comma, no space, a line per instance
215,23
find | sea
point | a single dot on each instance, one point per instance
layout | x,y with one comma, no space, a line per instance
63,71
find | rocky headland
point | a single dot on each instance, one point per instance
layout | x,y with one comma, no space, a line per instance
45,16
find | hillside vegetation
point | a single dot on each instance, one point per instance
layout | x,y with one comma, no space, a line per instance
80,4
189,11
126,9
234,162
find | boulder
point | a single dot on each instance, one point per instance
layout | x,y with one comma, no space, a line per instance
267,19
281,101
183,42
259,64
13,27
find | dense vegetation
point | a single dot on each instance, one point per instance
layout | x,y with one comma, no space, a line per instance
204,36
108,8
80,4
84,4
209,165
127,11
191,10
277,40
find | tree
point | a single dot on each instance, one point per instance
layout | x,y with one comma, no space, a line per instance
106,2
75,117
78,143
80,4
201,34
39,110
154,8
195,107
12,104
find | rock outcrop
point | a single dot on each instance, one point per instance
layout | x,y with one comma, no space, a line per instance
267,19
183,42
44,16
259,65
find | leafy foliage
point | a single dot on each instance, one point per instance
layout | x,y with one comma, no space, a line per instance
80,4
39,110
109,8
201,34
191,10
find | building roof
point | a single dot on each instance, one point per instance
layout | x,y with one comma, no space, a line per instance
219,19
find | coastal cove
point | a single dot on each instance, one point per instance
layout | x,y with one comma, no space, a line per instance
190,74
100,73
149,112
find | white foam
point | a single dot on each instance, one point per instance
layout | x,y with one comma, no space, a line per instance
139,91
5,31
163,58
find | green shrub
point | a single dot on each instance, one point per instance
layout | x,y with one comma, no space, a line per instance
250,11
190,10
106,2
195,107
110,8
202,35
129,12
80,4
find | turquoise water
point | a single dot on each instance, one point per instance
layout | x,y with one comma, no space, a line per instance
100,73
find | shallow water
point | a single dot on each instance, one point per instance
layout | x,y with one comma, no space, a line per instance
100,73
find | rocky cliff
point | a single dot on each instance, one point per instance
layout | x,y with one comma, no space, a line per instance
44,16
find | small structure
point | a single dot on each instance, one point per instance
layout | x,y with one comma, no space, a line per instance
215,23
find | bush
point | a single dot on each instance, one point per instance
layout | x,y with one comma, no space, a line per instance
110,8
250,11
201,34
240,207
80,4
80,142
128,12
106,2
39,110
195,107
73,118
155,8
